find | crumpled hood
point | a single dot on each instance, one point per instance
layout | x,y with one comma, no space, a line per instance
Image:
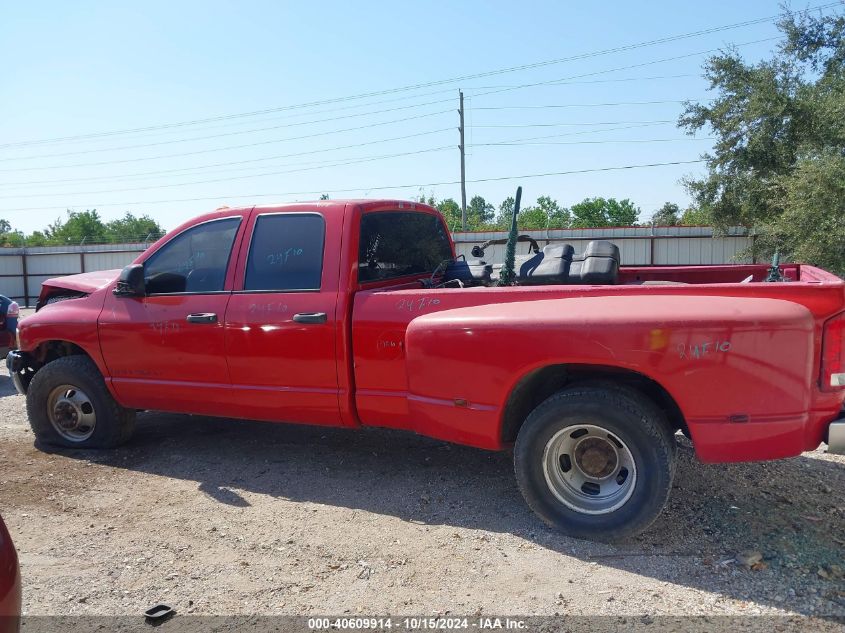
84,282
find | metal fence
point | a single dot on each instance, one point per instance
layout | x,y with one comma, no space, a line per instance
638,245
22,270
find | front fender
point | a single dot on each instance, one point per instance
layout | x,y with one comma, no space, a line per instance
72,321
722,359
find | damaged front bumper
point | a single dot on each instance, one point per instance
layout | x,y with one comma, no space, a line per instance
836,437
17,363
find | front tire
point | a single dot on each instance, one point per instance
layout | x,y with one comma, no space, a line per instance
68,404
596,462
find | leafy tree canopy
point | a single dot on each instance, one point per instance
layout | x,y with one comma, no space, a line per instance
604,212
667,215
779,160
84,227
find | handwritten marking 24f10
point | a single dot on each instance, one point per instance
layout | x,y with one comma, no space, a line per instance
417,304
700,350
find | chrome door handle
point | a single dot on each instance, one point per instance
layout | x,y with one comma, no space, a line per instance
202,317
310,317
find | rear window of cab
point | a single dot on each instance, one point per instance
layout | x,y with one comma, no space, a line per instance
400,243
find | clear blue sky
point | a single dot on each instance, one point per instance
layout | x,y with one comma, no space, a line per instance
78,68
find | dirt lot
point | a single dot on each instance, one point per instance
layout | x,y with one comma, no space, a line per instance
230,517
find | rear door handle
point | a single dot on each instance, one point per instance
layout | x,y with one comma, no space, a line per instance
202,317
310,317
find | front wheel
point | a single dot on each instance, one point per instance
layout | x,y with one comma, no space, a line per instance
68,404
596,462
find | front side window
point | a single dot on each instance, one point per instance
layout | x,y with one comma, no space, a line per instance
286,253
193,261
398,243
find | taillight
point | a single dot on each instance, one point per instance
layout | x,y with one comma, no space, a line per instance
14,310
833,354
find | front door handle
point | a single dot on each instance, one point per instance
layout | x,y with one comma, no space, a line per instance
202,317
310,317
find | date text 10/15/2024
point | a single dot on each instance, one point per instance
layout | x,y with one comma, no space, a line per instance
410,623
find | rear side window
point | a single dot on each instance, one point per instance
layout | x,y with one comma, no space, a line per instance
400,243
286,252
193,261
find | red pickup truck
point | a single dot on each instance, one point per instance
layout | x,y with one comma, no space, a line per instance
357,313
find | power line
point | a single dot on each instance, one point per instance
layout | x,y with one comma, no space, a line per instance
595,81
350,107
583,105
378,188
231,166
250,160
217,149
287,125
524,125
452,80
603,142
130,177
564,80
478,95
550,82
234,123
201,182
343,164
598,131
250,131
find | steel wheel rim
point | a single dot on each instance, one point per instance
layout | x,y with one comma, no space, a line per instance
589,469
71,413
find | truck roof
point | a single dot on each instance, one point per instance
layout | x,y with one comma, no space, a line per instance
329,206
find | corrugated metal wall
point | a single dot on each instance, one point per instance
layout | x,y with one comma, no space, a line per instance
23,270
638,245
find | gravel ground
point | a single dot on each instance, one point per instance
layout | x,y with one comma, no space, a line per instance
230,517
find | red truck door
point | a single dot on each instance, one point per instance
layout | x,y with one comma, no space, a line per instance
166,350
280,322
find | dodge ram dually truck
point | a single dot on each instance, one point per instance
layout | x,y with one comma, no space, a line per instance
358,313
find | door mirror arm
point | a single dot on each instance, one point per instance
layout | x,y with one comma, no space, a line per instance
131,282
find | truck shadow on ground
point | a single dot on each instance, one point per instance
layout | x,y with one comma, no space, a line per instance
7,389
791,511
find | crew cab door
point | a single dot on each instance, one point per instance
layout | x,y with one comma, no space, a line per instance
166,350
281,321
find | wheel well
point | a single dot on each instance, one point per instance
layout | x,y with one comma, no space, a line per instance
51,350
538,385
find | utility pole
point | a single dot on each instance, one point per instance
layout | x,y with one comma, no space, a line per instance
463,166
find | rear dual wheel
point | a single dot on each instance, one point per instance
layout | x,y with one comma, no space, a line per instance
596,462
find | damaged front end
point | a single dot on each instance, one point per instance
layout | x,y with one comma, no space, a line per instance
20,369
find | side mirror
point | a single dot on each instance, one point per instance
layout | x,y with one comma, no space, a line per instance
131,282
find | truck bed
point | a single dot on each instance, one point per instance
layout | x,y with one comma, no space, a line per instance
740,361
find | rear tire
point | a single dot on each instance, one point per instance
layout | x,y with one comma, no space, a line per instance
68,404
596,462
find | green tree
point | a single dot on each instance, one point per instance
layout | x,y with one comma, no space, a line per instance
811,222
79,226
479,213
545,214
594,212
451,212
505,213
532,218
694,216
130,228
557,217
37,238
780,129
667,215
